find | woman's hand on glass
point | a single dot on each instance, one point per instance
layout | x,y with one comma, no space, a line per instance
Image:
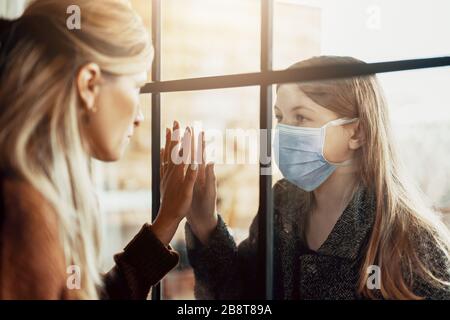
177,182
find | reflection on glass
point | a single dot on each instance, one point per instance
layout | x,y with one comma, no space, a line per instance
419,116
369,30
338,156
421,122
230,118
204,38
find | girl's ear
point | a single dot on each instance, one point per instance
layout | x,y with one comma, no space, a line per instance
356,136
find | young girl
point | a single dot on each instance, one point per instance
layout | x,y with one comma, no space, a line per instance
66,96
347,224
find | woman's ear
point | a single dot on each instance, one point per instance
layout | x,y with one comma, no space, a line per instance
356,136
88,85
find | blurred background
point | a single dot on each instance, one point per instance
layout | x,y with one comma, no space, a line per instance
217,37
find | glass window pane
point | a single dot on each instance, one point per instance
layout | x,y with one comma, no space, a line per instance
296,33
420,121
230,120
370,30
204,38
144,9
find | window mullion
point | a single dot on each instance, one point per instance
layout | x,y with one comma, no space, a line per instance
156,120
265,212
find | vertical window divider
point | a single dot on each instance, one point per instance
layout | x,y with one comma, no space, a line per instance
156,120
265,212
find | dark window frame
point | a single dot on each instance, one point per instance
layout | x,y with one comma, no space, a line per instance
264,79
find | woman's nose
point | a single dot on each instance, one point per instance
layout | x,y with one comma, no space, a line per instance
139,118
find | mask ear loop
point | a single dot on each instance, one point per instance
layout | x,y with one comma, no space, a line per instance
333,123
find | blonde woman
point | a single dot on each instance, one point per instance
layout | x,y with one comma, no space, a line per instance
347,224
67,96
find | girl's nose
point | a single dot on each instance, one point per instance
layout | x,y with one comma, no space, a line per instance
139,118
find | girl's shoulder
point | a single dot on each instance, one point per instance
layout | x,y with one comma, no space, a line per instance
432,250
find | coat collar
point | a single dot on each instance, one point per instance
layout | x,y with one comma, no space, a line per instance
351,229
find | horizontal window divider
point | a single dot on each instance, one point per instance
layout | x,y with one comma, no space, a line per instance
292,75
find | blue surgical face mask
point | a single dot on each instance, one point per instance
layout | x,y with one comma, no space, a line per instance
299,154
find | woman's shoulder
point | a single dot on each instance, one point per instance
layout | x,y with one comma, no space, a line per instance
26,211
21,197
30,243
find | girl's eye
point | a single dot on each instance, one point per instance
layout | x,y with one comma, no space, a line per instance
278,118
300,118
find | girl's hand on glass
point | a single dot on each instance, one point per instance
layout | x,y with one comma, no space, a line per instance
202,216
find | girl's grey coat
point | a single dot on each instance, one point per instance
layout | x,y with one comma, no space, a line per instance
226,271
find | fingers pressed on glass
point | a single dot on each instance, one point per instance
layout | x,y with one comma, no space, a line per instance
165,158
161,163
191,172
174,146
192,159
200,158
203,148
176,130
185,147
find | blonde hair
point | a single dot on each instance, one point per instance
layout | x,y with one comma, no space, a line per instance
40,135
402,219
